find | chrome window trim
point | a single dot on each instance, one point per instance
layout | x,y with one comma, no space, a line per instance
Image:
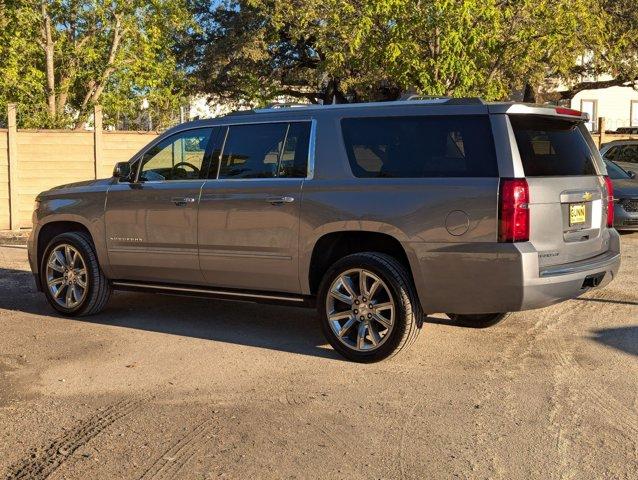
310,167
312,145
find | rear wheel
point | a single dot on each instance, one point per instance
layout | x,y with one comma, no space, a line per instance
478,320
71,277
368,308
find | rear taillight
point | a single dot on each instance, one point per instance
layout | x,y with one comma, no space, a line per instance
610,201
513,217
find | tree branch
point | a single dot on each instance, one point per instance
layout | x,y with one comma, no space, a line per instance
96,87
615,82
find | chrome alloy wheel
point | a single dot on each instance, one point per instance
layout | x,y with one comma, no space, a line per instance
66,276
360,310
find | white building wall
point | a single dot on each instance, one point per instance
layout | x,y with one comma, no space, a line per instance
613,103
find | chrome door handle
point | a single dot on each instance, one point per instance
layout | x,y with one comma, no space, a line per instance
182,201
280,200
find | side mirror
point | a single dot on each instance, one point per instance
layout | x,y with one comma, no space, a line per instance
122,170
631,173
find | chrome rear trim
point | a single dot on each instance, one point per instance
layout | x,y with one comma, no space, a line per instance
595,263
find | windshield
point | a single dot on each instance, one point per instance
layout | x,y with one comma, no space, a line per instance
615,172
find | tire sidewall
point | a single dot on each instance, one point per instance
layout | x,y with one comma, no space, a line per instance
399,294
74,240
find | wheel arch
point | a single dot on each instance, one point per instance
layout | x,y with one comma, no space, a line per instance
53,228
333,245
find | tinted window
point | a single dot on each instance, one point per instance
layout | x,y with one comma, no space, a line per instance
408,147
615,172
550,147
178,157
293,161
628,153
611,153
266,150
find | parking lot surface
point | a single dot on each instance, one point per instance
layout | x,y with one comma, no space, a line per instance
161,387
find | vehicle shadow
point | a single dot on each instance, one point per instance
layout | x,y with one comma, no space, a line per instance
289,329
621,338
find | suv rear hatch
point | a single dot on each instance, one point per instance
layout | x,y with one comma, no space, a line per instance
567,193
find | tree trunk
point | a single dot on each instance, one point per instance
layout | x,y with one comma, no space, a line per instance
49,50
530,94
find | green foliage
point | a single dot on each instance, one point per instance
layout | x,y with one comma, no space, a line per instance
60,57
114,52
353,50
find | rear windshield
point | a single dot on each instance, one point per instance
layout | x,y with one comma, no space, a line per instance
420,146
550,147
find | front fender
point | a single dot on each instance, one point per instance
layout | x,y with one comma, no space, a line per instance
86,209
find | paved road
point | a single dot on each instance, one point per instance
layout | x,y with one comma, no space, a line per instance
160,387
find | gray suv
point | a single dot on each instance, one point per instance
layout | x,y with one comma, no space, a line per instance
377,214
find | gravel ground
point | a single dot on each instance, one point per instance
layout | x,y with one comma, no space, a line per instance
164,387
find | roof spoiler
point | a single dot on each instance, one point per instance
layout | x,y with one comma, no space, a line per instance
545,110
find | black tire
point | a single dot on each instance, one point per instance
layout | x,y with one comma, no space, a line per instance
408,316
483,320
98,286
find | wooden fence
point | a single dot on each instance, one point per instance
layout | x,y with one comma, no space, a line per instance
35,160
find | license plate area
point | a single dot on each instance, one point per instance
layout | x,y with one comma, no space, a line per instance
577,214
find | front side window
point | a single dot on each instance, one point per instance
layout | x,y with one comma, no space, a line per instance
611,153
420,146
178,157
268,150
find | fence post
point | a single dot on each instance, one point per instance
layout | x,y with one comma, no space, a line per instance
97,138
601,130
13,166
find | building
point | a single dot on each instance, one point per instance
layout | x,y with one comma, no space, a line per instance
618,105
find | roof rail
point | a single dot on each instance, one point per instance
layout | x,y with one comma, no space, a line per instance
271,106
415,96
239,112
404,100
465,101
450,100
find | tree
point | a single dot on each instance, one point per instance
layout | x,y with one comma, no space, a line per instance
338,50
72,54
610,50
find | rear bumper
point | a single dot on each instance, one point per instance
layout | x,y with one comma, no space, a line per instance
490,278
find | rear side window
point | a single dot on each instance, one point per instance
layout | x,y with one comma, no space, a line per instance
628,153
550,147
420,146
268,150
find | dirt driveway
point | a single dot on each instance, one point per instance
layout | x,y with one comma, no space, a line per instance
163,387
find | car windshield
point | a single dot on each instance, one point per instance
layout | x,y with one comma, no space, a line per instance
615,172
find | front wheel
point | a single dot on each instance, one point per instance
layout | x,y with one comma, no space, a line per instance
71,277
478,320
368,308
